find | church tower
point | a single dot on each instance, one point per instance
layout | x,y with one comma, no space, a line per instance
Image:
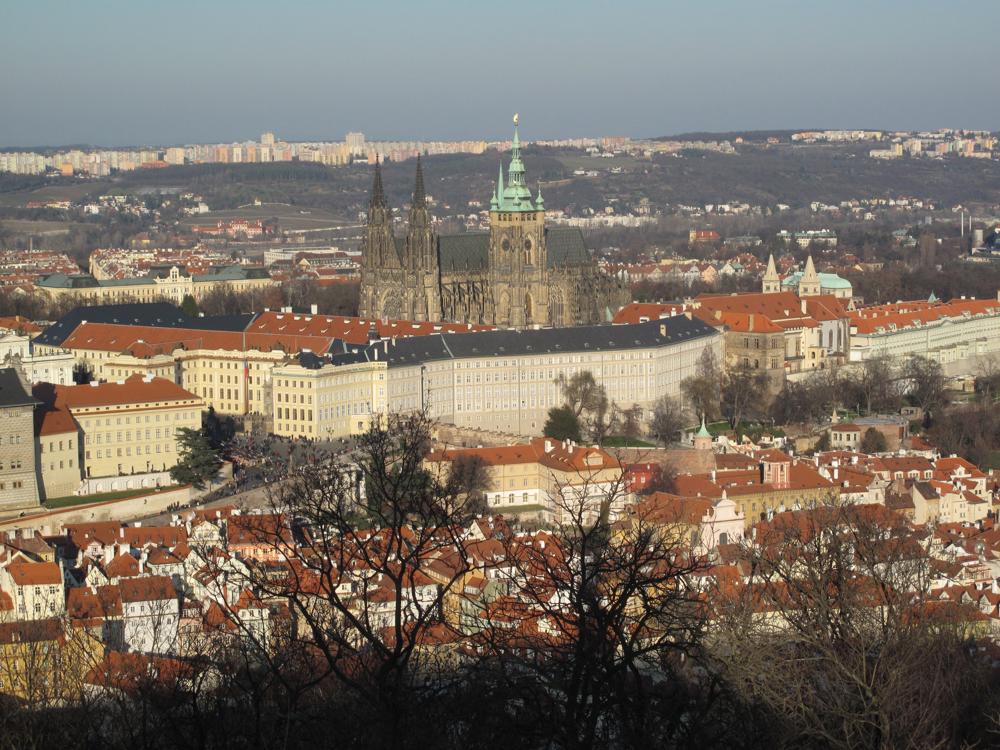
517,258
772,282
420,256
809,284
378,254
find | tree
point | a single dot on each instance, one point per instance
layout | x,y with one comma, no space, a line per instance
562,424
189,307
608,665
926,382
198,461
469,478
702,390
668,420
663,479
852,651
218,430
875,386
373,581
873,441
582,392
82,373
631,426
744,392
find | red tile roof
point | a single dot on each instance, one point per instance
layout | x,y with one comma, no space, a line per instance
134,390
916,313
640,312
27,573
147,589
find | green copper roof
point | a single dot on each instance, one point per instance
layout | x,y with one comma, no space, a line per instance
515,196
826,280
703,432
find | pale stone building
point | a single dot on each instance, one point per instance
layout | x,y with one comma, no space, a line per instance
169,284
18,477
130,426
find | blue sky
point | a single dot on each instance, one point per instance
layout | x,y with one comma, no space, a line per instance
177,71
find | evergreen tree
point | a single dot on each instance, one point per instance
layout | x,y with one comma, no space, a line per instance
189,307
562,424
198,461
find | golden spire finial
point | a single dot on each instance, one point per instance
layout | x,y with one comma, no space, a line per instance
515,118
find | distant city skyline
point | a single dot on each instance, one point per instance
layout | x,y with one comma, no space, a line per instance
120,74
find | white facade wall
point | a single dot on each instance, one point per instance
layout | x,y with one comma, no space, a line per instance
944,341
514,394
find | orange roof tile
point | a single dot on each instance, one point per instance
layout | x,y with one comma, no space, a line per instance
134,390
26,573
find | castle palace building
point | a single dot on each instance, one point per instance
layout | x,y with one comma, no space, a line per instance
519,274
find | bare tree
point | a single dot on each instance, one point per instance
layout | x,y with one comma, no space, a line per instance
368,581
668,420
834,633
925,382
703,389
605,618
744,394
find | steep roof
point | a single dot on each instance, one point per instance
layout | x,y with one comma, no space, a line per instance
27,573
147,589
564,246
507,343
918,313
12,391
134,390
160,314
51,419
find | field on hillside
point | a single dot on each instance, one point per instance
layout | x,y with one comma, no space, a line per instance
289,217
60,192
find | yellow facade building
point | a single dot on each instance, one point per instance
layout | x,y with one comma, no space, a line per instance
130,426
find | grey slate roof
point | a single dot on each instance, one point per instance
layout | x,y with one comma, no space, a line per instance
232,273
154,314
67,281
506,343
12,392
565,246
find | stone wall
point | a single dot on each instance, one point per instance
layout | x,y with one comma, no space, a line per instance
140,506
18,480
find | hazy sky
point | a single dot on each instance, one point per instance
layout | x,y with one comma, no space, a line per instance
181,71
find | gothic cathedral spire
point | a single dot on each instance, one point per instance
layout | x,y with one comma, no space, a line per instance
419,198
378,194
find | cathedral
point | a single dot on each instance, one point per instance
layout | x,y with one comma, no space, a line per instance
519,274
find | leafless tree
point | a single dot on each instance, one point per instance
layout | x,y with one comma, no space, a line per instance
833,632
597,624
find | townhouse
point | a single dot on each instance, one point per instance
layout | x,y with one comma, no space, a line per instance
544,479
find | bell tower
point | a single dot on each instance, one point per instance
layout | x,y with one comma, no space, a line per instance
518,261
772,282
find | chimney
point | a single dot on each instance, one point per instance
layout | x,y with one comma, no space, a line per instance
804,310
713,474
836,473
548,445
750,322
